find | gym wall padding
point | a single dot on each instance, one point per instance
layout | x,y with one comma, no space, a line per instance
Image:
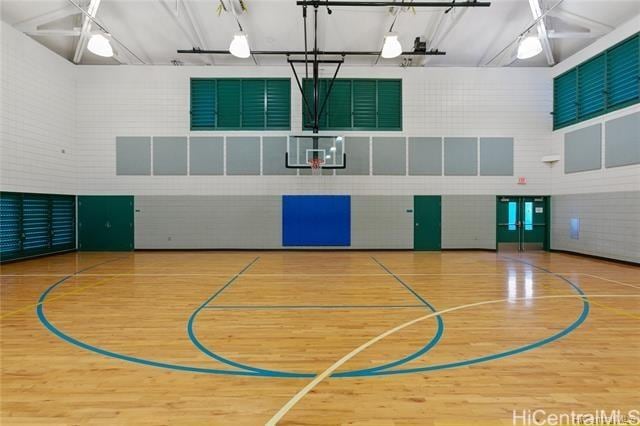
316,220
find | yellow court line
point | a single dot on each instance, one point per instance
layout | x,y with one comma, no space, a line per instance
320,377
616,310
33,305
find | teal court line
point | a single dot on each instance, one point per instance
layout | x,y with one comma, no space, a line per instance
284,307
417,354
53,329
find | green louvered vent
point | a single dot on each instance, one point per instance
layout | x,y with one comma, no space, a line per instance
35,222
203,104
278,104
358,104
604,83
10,213
389,104
240,104
565,97
591,90
622,73
307,113
63,224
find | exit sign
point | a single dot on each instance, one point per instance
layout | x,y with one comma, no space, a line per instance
522,180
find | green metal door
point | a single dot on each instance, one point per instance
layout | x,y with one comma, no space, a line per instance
522,223
105,223
426,220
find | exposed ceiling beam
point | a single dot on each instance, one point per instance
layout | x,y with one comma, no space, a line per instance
85,32
439,36
320,52
191,38
536,10
64,33
580,20
32,24
573,34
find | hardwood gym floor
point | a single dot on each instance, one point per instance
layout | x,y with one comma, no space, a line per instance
230,337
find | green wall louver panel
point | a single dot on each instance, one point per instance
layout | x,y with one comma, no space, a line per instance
240,104
340,105
278,114
364,104
10,225
623,63
565,98
389,104
591,87
203,104
229,104
36,224
253,104
356,104
604,83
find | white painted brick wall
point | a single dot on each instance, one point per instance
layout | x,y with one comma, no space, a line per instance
37,117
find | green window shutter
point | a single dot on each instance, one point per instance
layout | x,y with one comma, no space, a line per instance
339,105
364,104
203,104
35,223
565,99
63,227
10,225
307,115
278,104
229,103
253,104
623,73
390,104
591,92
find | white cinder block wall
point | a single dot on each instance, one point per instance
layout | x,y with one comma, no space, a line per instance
37,117
154,101
606,201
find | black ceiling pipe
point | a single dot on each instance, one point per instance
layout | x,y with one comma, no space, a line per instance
318,3
321,52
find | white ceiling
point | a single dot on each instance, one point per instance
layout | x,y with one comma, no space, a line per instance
154,29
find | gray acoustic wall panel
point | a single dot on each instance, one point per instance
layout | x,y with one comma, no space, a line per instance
609,224
133,156
243,155
202,222
206,155
169,156
381,222
622,141
460,156
468,222
425,156
583,149
357,150
496,156
389,156
273,150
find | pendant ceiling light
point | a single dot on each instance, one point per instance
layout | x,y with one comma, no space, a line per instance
529,47
100,45
239,46
391,47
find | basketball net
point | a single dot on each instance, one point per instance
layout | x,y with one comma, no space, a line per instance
316,166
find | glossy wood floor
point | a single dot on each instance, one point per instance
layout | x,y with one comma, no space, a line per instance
229,337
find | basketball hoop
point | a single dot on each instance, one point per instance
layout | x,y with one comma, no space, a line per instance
316,166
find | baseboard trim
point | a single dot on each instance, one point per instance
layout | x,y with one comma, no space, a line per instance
593,256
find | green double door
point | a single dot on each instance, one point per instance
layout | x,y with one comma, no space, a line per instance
105,223
427,220
522,223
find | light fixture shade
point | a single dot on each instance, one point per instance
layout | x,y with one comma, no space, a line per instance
529,47
100,45
239,46
391,47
